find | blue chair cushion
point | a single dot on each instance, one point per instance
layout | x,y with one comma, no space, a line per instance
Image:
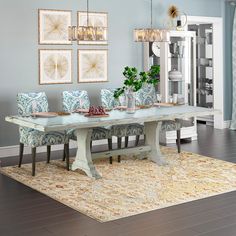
127,130
171,125
73,100
35,138
28,103
98,133
146,95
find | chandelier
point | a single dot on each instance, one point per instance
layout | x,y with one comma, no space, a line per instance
88,32
151,34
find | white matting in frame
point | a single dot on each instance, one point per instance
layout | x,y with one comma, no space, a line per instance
92,66
55,66
53,26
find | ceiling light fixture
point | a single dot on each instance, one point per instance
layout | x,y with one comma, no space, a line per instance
88,32
151,34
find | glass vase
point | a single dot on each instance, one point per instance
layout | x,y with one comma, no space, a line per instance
130,100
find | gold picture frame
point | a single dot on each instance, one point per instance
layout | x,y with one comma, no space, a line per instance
53,27
55,66
95,19
92,65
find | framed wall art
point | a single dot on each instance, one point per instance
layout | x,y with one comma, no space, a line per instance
53,26
96,19
55,66
92,66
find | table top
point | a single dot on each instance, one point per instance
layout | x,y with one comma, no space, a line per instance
116,117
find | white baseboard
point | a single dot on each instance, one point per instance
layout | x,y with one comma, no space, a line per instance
10,151
227,124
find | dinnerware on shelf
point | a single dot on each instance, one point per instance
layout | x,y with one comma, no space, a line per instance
159,97
175,98
175,75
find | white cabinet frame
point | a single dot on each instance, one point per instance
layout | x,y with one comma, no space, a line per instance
188,72
218,64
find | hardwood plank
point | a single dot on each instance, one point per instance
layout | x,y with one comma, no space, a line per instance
38,232
225,220
151,232
226,231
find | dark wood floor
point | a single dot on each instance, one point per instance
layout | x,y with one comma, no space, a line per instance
24,211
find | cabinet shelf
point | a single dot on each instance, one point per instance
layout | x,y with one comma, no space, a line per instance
204,66
175,57
180,80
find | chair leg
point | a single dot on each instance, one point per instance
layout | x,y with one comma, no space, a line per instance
119,141
67,156
137,140
33,160
110,148
126,141
178,140
48,153
21,153
91,145
64,153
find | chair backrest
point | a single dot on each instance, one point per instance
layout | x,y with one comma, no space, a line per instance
28,103
146,95
73,100
107,99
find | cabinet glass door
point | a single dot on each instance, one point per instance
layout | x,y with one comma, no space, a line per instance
204,56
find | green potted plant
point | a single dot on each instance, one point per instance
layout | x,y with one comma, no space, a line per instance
134,82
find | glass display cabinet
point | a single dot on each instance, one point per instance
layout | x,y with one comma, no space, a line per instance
204,56
177,60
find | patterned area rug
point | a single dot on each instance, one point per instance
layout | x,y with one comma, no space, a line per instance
132,186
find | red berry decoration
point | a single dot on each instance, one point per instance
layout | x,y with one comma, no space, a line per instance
96,111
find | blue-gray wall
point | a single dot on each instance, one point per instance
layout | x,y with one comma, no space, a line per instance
19,46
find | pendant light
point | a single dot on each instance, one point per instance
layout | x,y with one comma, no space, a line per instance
88,32
151,34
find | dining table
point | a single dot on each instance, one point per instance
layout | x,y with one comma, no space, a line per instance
152,119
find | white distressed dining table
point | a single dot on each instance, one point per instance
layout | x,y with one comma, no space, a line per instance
151,117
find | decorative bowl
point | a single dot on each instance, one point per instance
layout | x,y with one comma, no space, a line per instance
175,75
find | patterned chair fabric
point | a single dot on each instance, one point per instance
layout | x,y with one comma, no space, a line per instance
73,100
28,103
35,138
127,130
169,125
37,102
108,101
99,133
146,95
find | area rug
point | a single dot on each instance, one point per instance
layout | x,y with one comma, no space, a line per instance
132,186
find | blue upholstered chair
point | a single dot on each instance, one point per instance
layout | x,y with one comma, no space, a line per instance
78,99
120,131
37,102
146,95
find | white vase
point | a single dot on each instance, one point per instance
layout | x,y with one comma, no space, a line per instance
130,101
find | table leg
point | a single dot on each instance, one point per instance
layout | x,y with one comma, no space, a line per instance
83,160
152,131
